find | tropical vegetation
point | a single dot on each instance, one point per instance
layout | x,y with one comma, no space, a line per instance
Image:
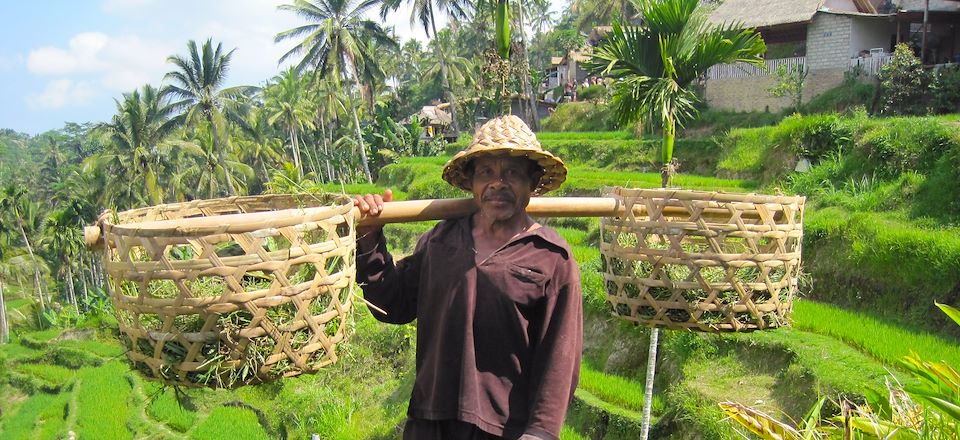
881,243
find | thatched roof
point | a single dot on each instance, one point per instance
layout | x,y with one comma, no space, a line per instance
433,115
763,13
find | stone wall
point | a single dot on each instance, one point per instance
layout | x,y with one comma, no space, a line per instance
752,93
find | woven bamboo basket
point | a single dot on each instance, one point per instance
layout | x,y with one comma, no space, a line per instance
673,266
231,291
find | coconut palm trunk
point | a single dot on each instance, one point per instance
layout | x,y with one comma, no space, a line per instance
220,154
33,261
356,123
4,330
297,161
532,115
83,283
444,78
326,149
71,289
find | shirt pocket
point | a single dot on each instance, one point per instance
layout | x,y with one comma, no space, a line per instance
525,285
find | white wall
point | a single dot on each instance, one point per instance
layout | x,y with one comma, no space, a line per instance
828,42
868,33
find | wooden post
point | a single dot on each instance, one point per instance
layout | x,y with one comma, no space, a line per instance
923,41
648,387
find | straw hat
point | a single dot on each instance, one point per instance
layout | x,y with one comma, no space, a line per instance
507,135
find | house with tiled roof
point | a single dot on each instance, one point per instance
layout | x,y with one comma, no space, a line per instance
828,38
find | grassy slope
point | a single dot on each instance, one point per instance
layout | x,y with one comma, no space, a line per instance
783,369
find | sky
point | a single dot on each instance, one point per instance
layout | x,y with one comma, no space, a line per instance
68,60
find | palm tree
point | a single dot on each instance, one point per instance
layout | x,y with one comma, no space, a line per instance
590,13
458,68
138,149
541,17
211,168
63,240
425,11
656,62
197,81
334,42
14,202
258,145
288,106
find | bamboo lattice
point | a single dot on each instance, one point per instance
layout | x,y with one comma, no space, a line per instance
698,272
223,307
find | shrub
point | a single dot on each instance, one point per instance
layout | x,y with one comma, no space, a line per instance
904,83
580,116
743,152
945,90
596,92
896,145
812,136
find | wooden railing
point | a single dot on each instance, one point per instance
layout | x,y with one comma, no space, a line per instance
741,70
871,65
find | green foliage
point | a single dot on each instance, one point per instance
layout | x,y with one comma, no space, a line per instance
616,390
595,93
879,338
168,406
945,90
904,83
580,116
790,82
39,417
543,136
874,261
102,402
229,423
710,122
53,374
812,136
907,144
846,96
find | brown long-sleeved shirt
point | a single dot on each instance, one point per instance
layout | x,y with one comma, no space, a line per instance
498,344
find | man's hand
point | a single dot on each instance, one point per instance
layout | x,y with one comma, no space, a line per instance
370,205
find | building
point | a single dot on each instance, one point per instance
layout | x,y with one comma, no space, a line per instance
827,38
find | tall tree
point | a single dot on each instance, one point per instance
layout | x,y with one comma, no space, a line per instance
657,62
288,105
334,43
590,13
425,11
137,150
197,82
15,206
62,239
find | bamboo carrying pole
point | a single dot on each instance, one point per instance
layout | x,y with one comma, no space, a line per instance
393,212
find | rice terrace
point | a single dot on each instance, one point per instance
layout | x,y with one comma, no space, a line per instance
760,200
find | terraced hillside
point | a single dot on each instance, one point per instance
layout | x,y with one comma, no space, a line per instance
57,382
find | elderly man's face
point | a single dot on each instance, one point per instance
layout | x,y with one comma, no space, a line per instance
502,185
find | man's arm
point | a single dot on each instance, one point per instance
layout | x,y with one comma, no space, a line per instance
556,364
390,288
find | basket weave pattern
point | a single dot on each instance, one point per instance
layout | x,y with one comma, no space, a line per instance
729,264
251,301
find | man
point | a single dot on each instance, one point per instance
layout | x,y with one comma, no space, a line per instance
496,297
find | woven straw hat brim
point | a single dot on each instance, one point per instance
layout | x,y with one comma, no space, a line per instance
506,135
554,171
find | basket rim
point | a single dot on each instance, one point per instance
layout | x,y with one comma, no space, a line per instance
222,223
692,194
